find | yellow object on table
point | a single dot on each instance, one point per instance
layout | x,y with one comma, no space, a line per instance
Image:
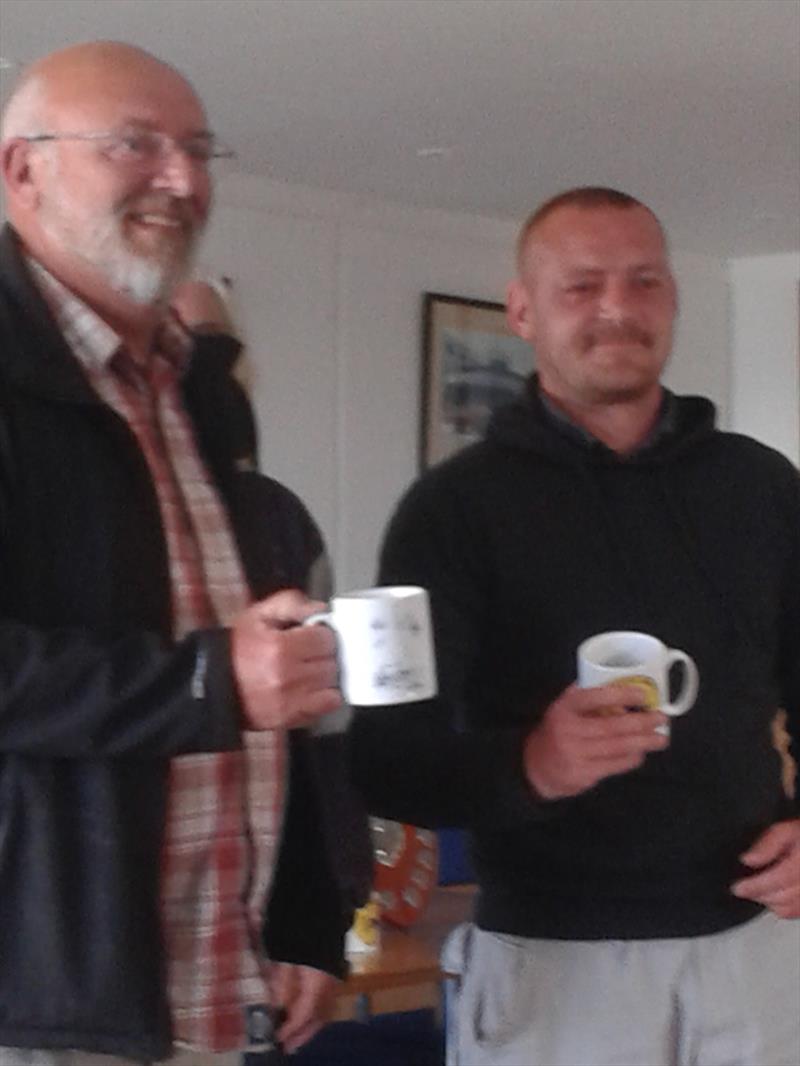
365,933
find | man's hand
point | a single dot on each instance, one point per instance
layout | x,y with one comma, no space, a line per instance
307,997
286,673
578,743
776,857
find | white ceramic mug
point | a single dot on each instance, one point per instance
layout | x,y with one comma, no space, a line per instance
385,644
638,658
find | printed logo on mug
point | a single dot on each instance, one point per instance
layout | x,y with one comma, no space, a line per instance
385,644
638,659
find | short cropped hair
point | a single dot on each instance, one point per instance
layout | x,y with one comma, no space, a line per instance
586,196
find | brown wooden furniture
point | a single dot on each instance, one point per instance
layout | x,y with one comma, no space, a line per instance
404,973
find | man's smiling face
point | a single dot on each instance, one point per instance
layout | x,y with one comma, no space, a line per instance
135,223
597,300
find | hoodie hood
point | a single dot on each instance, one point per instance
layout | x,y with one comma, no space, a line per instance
527,424
685,424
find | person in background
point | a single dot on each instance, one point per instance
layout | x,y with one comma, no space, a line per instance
638,893
172,791
204,310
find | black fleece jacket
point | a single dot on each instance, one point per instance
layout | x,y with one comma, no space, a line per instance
533,540
96,697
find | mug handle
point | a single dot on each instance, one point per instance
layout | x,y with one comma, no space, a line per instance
321,618
691,683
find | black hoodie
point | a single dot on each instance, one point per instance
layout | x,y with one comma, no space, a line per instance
532,541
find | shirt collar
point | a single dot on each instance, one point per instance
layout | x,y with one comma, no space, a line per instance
664,424
90,337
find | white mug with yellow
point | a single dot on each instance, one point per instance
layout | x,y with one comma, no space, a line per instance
625,656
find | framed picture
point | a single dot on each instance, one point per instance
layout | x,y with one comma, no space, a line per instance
471,364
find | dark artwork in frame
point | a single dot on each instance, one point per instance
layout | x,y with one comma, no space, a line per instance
472,364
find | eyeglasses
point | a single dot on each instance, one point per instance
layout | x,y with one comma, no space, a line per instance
145,148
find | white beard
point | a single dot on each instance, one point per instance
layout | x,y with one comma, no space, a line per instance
99,241
144,281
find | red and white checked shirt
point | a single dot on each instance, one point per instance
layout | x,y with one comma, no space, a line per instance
225,811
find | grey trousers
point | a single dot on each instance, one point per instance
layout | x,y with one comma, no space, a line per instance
12,1056
18,1056
731,999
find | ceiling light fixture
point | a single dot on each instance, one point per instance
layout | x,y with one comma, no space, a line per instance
434,152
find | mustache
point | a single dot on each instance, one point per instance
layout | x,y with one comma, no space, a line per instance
617,333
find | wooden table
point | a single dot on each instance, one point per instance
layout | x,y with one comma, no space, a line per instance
404,974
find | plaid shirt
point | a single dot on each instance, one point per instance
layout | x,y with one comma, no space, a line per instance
225,811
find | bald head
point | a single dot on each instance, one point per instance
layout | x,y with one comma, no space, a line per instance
54,88
104,159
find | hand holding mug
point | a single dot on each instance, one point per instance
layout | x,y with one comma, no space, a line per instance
575,746
286,673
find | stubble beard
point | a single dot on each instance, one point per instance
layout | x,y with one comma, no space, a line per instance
625,384
627,377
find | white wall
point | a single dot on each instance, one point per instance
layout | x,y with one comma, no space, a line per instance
328,291
701,356
765,359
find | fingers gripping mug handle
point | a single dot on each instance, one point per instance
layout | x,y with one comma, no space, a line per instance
690,686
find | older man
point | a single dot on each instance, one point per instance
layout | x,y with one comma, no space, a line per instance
170,870
634,888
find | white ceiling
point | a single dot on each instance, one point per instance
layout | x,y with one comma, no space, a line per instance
692,105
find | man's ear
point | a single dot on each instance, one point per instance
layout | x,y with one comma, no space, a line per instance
519,314
18,174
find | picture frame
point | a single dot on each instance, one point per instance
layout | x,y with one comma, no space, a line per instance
471,365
